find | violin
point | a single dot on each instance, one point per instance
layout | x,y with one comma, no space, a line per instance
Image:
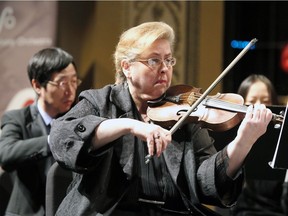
219,112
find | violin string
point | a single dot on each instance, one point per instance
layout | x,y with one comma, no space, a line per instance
215,102
229,106
226,105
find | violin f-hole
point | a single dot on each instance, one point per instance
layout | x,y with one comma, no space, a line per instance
185,110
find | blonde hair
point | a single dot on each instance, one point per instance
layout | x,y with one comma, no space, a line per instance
136,39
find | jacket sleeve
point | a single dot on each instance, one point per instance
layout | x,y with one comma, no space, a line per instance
213,185
70,136
216,184
16,147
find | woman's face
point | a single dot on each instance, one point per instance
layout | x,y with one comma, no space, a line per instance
258,94
146,82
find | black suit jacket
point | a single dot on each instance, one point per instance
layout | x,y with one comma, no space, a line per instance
24,151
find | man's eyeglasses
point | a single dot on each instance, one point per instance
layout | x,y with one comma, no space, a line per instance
66,83
155,63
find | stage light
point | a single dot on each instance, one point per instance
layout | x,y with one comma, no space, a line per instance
236,44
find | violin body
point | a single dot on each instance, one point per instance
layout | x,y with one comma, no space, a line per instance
217,113
220,112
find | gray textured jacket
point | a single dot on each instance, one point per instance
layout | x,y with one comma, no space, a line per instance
104,174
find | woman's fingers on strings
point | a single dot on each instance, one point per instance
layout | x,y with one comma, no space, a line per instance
257,111
249,113
261,113
266,114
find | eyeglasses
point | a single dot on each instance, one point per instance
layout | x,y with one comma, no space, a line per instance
66,83
155,63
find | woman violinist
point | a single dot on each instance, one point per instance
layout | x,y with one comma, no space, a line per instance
106,136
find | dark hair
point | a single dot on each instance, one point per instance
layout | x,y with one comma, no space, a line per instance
245,85
46,62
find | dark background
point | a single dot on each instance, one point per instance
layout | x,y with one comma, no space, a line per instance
268,22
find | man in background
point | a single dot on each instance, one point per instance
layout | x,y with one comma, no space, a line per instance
24,148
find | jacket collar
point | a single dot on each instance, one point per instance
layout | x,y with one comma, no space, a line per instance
37,125
120,96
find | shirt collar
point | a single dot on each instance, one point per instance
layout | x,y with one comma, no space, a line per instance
47,119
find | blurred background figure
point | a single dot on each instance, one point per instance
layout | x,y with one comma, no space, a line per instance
24,149
259,197
256,89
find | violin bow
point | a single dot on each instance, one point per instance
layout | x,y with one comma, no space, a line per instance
207,92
